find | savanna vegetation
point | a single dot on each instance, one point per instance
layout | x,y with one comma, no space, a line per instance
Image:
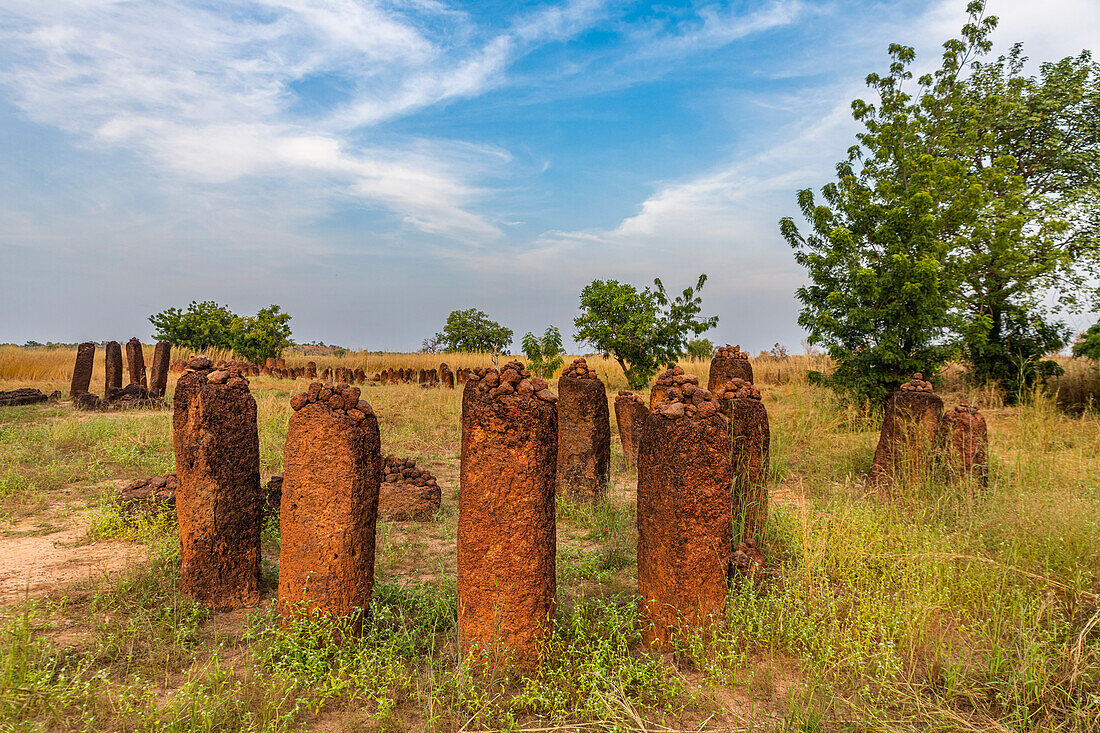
946,608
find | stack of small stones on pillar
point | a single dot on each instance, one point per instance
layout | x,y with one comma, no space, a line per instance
729,362
750,438
446,376
630,412
506,532
219,498
963,445
584,433
906,444
158,381
332,465
407,492
684,510
82,371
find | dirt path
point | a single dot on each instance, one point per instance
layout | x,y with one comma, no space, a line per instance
43,553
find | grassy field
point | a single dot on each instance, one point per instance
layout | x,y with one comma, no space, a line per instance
948,608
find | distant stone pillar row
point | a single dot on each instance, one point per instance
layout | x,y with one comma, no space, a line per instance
158,380
329,506
135,362
113,370
684,511
506,528
219,499
82,371
584,433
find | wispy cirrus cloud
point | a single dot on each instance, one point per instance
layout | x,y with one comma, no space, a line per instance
207,91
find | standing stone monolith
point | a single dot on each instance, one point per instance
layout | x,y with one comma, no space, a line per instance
630,414
135,362
750,439
113,370
311,370
507,536
907,442
332,468
684,513
158,379
963,444
219,499
729,362
584,433
446,376
82,370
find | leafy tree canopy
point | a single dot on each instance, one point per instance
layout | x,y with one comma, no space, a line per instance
700,349
263,335
1088,345
472,330
207,325
544,355
641,329
202,326
965,202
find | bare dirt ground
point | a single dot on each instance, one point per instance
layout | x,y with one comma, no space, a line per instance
44,552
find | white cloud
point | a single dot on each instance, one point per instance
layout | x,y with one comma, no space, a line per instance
208,93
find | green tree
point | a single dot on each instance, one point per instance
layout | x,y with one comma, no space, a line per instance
263,335
641,329
202,326
700,349
1088,343
473,330
544,355
964,202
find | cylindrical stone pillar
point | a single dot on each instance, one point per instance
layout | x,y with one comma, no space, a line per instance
906,444
332,468
750,439
219,499
630,414
684,513
113,369
158,380
506,532
82,370
963,443
584,433
135,362
729,362
446,376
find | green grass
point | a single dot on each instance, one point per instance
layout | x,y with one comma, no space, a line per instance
949,607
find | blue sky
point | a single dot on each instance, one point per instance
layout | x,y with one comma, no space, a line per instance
371,166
